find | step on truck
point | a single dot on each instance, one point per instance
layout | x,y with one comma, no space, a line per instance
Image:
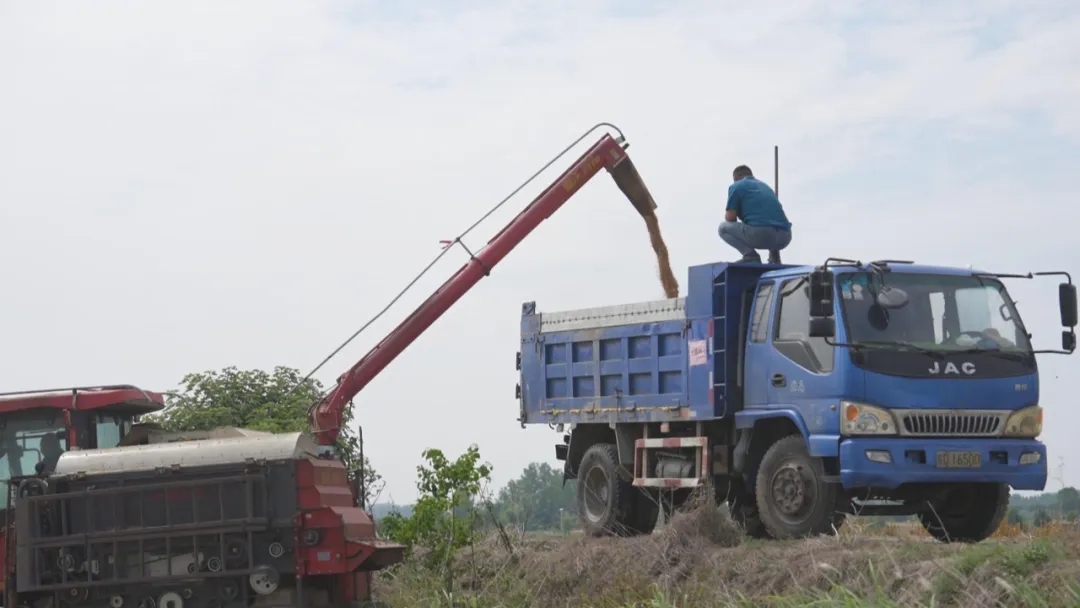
801,395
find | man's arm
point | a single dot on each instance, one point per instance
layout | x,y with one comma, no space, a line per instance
733,200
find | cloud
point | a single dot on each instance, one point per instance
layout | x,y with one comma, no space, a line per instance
192,185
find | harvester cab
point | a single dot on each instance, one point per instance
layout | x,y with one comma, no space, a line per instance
37,427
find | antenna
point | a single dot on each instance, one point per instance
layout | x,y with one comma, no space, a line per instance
776,169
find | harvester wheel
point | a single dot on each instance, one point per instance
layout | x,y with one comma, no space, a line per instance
969,514
235,551
229,590
606,501
793,498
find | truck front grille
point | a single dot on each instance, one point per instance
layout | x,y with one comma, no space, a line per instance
952,423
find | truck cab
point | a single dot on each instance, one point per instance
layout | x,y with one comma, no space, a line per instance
921,381
802,394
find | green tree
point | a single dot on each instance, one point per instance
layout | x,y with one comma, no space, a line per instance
275,402
1069,500
537,499
443,519
1041,518
1014,517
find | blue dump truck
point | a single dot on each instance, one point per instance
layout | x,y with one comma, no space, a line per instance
800,394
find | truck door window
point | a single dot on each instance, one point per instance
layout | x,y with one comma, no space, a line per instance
759,324
792,337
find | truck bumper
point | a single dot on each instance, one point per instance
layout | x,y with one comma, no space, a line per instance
913,460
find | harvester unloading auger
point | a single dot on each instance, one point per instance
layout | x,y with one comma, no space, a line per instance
608,153
227,517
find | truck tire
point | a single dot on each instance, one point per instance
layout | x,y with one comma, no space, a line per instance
793,499
607,502
838,519
744,512
646,511
969,514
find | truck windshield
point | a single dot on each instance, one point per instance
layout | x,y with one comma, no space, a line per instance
27,438
942,312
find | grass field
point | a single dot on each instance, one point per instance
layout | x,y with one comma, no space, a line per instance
701,559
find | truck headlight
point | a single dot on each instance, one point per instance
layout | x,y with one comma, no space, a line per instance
862,419
1025,423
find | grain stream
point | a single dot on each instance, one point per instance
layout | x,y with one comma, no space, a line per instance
663,262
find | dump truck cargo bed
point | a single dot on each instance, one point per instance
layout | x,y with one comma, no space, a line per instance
662,360
627,361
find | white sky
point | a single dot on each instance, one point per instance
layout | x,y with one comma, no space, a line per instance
190,185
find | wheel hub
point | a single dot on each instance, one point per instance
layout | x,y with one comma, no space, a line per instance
264,581
789,490
597,494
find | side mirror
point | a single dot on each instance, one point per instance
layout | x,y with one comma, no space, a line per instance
891,298
821,294
1068,341
1067,302
822,327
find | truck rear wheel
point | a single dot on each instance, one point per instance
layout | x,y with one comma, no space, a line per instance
793,499
646,511
607,502
969,514
744,511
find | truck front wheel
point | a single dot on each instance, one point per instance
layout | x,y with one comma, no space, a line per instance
607,502
968,514
793,499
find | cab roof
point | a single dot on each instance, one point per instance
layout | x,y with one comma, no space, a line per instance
130,399
787,271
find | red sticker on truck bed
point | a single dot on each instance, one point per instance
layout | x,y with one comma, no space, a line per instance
699,353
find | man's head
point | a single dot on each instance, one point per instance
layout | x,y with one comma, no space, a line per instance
740,172
50,445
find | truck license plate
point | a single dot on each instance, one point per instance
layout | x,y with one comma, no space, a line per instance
959,460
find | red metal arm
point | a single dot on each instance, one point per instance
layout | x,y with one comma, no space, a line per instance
326,416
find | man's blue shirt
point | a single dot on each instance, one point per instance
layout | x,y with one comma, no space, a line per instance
755,203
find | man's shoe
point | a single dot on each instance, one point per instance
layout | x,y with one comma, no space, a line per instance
774,257
750,258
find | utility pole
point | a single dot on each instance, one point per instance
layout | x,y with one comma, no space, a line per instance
776,169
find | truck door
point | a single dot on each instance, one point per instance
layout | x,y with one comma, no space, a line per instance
800,372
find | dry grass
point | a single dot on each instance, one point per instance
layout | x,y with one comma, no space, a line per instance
1052,530
701,559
